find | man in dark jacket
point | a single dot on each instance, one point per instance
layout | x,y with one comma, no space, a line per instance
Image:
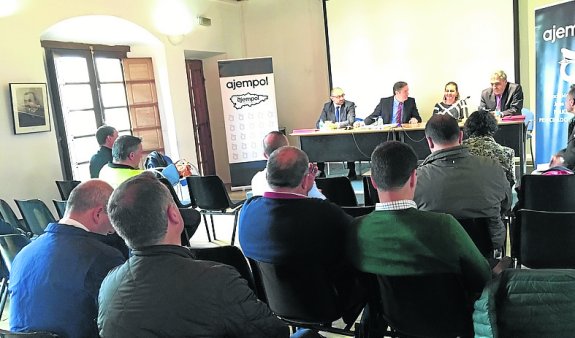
161,290
453,181
399,108
338,113
105,135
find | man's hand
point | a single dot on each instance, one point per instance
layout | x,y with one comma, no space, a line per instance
413,120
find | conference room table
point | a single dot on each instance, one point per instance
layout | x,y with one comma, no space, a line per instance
341,145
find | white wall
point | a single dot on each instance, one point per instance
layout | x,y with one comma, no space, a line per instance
292,33
31,161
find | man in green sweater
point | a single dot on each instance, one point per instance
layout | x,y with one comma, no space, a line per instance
398,240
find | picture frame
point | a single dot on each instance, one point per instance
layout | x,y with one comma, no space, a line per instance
30,108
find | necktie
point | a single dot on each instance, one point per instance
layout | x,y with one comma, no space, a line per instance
336,114
399,111
498,102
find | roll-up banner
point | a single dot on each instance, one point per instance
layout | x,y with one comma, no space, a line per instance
250,112
555,72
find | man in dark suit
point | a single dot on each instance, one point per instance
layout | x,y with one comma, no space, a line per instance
503,96
339,111
399,108
341,114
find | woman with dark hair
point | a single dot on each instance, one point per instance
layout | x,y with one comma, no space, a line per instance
451,104
480,128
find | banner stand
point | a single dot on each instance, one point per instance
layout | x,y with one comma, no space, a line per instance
250,112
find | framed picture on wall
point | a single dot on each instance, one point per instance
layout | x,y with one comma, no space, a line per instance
30,108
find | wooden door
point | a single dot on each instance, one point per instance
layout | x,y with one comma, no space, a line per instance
143,103
200,117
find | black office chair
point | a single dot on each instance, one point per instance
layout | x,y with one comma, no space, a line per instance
478,230
9,216
434,305
10,246
36,215
66,187
191,217
547,193
301,296
359,210
542,193
338,190
60,207
192,220
546,239
229,255
7,228
211,197
175,196
369,192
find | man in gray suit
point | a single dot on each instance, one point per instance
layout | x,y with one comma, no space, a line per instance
341,113
503,96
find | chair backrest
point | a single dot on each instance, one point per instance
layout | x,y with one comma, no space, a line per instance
192,219
66,187
359,210
229,255
298,292
60,207
338,190
175,195
7,228
10,334
529,118
9,216
36,214
434,305
547,193
208,192
10,246
478,230
369,192
546,239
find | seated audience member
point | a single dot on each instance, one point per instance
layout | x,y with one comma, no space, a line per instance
127,155
272,141
451,104
105,135
480,128
284,226
502,97
397,239
399,108
55,280
453,181
162,291
340,113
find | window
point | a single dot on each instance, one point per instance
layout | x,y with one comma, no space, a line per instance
89,90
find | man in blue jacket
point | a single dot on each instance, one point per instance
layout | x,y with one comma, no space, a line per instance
55,279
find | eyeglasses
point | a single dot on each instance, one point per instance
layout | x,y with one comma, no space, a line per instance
338,96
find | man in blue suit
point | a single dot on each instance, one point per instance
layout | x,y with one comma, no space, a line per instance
399,108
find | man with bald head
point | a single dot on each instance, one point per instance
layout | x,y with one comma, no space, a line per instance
272,141
284,226
162,291
55,280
